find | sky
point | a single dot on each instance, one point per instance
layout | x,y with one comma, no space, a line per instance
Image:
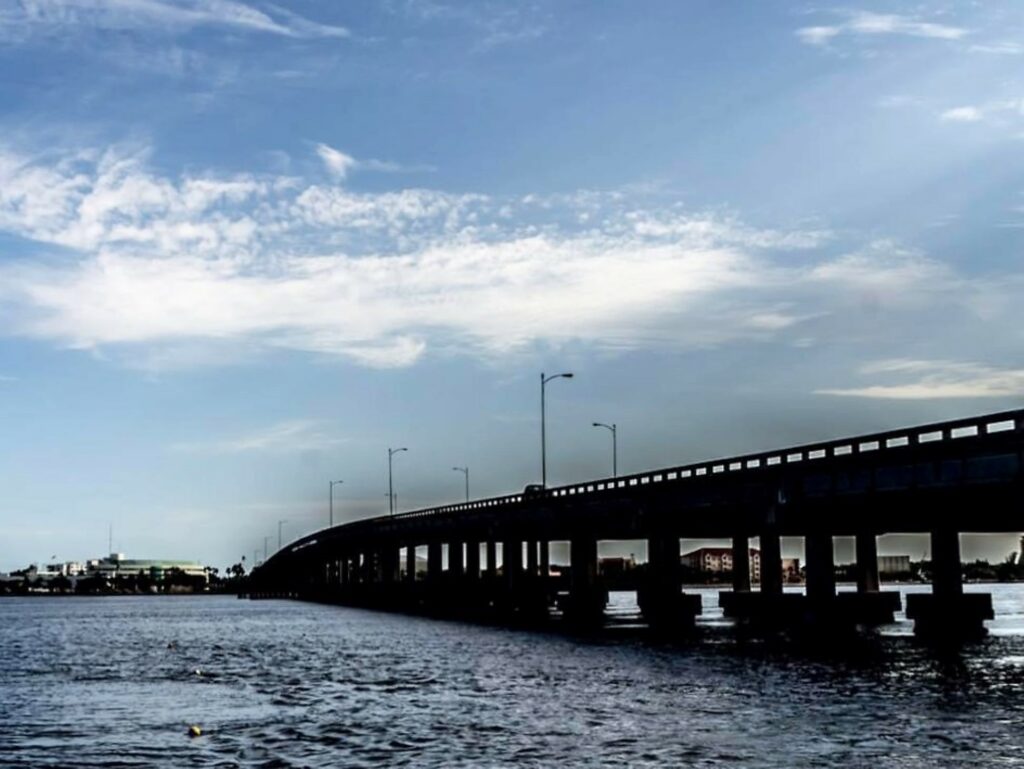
246,247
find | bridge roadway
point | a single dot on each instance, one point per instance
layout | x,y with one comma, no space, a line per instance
939,479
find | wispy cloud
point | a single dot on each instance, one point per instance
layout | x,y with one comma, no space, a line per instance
284,437
339,164
21,16
6,378
966,114
866,24
933,379
1003,48
1007,112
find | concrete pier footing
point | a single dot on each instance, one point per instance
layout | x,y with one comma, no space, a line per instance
947,613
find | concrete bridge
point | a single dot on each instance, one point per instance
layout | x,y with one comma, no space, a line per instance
938,479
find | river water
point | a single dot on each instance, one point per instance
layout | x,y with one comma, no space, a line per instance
113,682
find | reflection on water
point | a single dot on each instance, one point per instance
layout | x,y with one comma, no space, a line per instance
114,682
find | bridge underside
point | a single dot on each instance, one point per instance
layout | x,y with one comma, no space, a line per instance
938,480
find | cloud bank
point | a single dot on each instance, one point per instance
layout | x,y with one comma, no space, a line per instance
161,269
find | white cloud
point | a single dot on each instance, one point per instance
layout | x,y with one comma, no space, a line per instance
1001,48
339,163
5,378
932,379
22,15
284,437
962,115
817,35
207,269
336,161
866,24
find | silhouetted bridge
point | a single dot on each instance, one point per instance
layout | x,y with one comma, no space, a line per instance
938,479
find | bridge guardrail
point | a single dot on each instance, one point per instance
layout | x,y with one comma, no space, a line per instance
968,427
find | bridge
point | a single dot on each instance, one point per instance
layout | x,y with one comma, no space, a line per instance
939,479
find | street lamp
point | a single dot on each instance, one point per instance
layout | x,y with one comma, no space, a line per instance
465,471
330,498
279,525
543,438
615,446
391,487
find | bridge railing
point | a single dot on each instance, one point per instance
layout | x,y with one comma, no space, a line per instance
884,442
972,427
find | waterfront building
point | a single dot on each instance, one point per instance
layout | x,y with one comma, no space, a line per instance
116,565
894,564
717,560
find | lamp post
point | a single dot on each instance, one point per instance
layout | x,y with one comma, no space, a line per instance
330,499
279,525
543,437
391,486
615,446
464,471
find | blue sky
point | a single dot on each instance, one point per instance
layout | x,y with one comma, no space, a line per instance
245,247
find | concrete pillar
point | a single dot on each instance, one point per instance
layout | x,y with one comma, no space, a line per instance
946,579
545,558
455,560
531,558
821,569
473,559
410,563
741,564
434,561
512,560
867,563
388,558
492,559
586,600
345,576
771,563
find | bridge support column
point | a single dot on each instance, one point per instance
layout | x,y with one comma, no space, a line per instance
473,559
867,563
455,561
410,563
663,604
771,563
492,561
531,558
545,558
512,562
821,568
587,598
389,560
868,606
434,558
947,613
741,564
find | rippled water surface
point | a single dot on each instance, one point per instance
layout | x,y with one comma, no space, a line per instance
114,682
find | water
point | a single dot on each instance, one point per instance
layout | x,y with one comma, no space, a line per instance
91,682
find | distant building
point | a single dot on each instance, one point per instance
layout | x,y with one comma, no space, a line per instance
117,565
715,560
615,565
893,564
791,570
